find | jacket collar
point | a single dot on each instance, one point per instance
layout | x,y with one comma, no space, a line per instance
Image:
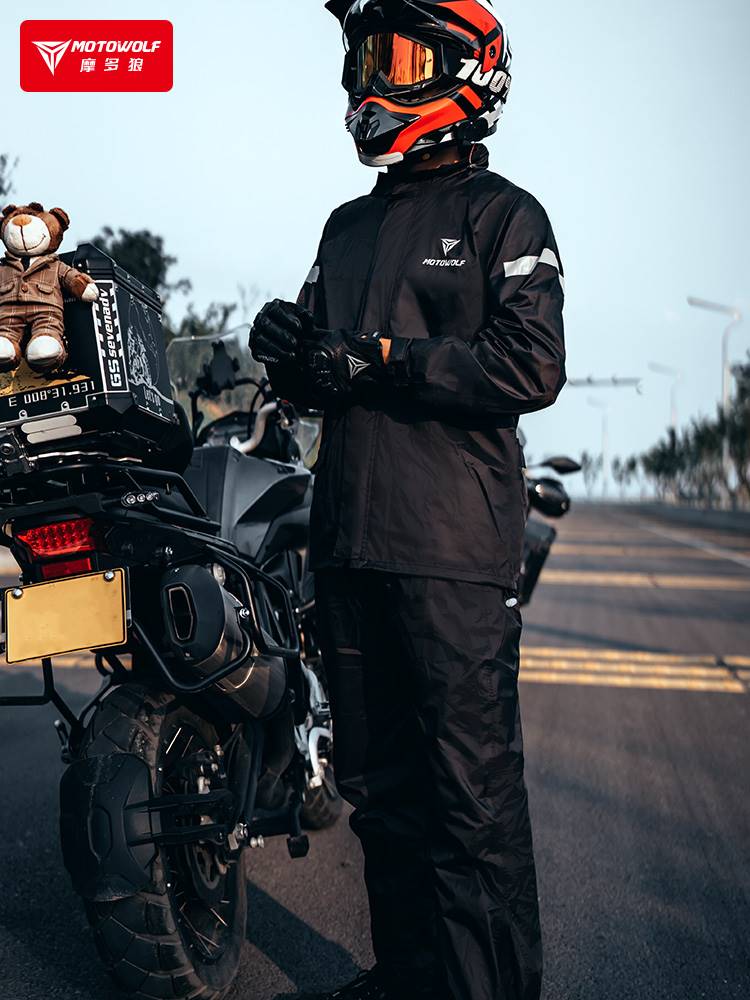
39,262
404,175
36,264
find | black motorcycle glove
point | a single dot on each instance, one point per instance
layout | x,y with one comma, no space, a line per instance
331,361
336,361
278,331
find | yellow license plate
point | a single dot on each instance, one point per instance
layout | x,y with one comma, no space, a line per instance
65,616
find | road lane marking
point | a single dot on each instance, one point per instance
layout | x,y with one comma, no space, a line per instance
610,538
542,653
618,681
629,552
590,667
632,669
664,581
631,655
696,543
737,661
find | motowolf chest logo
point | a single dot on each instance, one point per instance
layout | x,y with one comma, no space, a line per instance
446,260
96,56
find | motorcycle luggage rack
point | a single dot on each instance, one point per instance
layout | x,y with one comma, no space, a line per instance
49,696
190,687
134,475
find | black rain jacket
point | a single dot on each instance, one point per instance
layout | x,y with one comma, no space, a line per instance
423,475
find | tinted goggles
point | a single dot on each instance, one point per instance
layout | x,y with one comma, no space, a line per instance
401,61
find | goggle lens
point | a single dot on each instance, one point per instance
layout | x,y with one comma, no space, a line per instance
402,62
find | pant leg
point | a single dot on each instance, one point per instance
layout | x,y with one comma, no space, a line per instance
14,322
47,321
463,648
381,770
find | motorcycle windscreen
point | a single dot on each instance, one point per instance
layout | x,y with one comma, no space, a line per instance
65,616
401,61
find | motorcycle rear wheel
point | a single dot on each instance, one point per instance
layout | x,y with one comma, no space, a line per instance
164,941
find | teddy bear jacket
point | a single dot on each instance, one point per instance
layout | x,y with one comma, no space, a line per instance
39,284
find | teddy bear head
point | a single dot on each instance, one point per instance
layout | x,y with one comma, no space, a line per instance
29,231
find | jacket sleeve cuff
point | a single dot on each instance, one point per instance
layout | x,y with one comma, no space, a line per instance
398,359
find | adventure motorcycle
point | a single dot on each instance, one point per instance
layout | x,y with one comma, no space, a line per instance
179,557
211,730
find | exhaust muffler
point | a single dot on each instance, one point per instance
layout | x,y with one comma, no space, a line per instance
203,630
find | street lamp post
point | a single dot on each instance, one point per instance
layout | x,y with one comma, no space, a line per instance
676,377
726,372
615,382
604,407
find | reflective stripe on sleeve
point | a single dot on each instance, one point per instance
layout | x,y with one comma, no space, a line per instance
313,276
526,265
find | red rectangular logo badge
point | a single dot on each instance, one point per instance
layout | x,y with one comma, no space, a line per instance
96,56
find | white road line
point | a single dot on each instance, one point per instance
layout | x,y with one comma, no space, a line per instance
695,543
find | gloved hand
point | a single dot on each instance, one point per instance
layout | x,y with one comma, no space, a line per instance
332,360
336,360
278,331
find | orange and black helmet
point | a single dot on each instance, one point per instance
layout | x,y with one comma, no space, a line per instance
421,72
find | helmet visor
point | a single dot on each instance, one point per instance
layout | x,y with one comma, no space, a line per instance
401,61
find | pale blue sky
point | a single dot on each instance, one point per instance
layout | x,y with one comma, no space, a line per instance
628,120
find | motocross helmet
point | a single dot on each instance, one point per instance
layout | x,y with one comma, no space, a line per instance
421,72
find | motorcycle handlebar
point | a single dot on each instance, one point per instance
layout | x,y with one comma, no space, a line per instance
261,422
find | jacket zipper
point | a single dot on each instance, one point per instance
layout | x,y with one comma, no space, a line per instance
345,427
373,437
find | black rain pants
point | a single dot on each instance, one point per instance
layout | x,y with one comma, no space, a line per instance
423,679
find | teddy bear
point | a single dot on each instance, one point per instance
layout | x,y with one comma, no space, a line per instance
32,280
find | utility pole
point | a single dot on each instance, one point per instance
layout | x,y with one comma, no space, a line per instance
726,372
676,377
613,382
604,407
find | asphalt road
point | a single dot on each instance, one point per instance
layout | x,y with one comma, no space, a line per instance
636,701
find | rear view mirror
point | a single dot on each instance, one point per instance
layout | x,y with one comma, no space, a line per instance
220,373
562,465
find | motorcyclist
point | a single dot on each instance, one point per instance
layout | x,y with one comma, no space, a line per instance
431,319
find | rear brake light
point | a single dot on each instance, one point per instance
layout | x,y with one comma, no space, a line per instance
66,567
61,539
